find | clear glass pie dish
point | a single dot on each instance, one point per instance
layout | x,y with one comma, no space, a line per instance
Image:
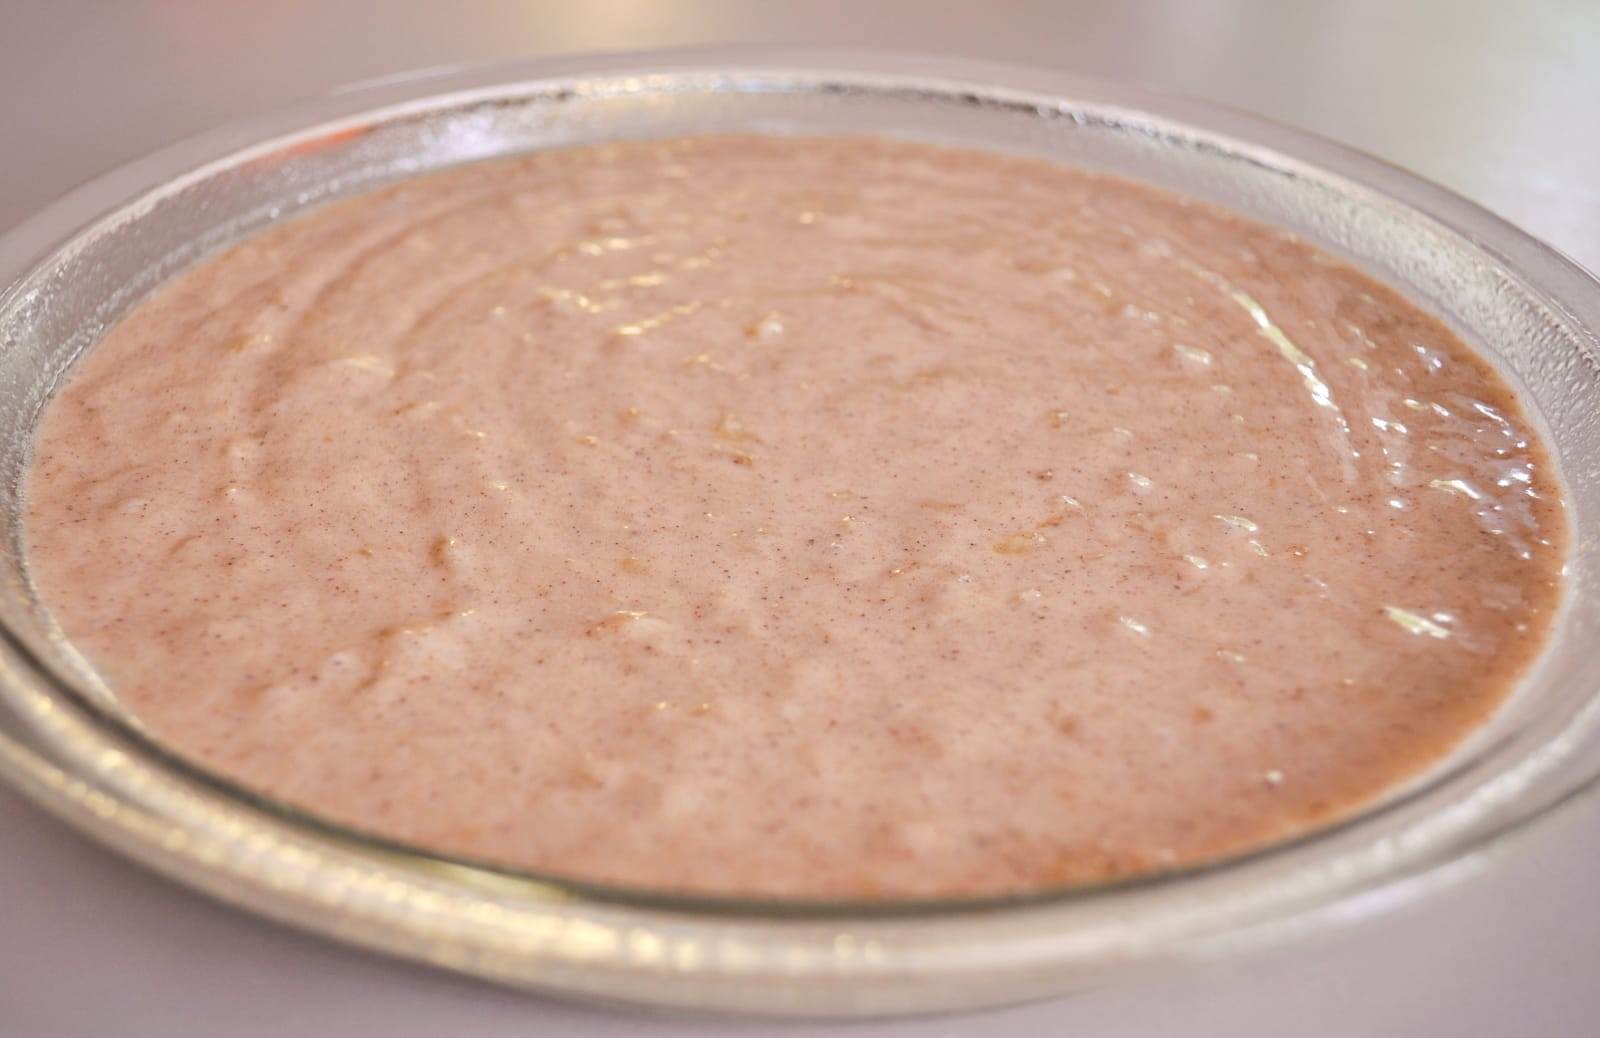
72,270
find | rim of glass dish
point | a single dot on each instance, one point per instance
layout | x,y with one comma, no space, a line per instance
1561,283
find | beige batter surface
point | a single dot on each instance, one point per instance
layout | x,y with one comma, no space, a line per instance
801,517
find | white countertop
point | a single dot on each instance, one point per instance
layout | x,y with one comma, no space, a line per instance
1500,101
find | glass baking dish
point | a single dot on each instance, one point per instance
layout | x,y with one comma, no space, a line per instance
72,270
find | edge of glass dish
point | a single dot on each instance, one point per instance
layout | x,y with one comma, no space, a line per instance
88,765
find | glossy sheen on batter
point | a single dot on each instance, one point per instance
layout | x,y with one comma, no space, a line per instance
800,517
